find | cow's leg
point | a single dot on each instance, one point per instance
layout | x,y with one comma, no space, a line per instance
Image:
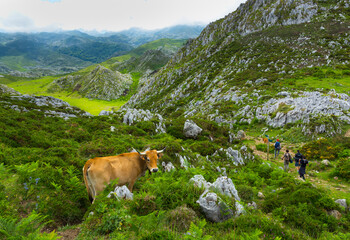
99,182
131,185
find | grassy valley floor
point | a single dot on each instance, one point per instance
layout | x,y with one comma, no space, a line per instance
39,87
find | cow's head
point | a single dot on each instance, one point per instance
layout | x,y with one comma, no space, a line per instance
151,157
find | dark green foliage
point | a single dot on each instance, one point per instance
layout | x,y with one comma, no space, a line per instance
246,192
342,169
161,235
303,207
26,228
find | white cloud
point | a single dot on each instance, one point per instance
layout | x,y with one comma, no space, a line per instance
112,15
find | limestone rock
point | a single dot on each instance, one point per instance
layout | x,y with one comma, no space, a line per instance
239,209
335,213
214,208
199,181
105,113
225,186
252,205
121,193
325,162
168,166
191,129
261,195
7,90
131,116
241,135
342,202
235,156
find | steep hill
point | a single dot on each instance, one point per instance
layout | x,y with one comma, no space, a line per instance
269,61
101,83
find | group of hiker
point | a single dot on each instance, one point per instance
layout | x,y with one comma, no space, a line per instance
299,159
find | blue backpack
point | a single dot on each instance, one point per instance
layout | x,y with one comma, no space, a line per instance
278,145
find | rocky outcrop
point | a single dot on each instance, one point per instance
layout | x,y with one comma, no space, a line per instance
131,116
235,156
7,90
52,107
168,167
225,186
342,202
214,208
121,192
191,129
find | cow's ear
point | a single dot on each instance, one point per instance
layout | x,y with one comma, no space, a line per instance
160,155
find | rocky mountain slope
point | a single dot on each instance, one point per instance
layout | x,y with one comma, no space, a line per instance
269,61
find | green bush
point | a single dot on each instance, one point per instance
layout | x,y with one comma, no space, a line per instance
342,169
181,218
245,192
303,207
320,149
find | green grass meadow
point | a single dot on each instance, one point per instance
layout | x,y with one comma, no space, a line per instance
94,106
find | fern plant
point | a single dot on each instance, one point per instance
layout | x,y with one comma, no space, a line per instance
28,228
196,232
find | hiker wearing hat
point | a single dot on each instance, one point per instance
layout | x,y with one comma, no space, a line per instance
277,148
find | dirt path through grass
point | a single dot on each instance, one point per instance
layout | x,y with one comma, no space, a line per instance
337,187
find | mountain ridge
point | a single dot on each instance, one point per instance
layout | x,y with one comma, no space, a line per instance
65,52
222,68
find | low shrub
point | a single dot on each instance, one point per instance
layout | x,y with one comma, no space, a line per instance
245,192
181,218
320,149
342,169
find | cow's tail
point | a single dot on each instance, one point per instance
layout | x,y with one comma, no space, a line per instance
87,180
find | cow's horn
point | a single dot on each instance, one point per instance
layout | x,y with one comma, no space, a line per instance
161,150
141,153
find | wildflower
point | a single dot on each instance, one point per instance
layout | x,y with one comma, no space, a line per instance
25,186
37,180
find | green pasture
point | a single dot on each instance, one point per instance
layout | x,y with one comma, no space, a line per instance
39,87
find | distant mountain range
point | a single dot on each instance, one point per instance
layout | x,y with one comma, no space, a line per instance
38,54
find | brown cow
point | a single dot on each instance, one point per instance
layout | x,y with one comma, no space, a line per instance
127,168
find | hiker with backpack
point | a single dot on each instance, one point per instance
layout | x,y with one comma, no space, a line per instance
302,169
277,148
298,156
287,159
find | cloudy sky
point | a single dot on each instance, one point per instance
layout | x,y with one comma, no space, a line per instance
108,15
